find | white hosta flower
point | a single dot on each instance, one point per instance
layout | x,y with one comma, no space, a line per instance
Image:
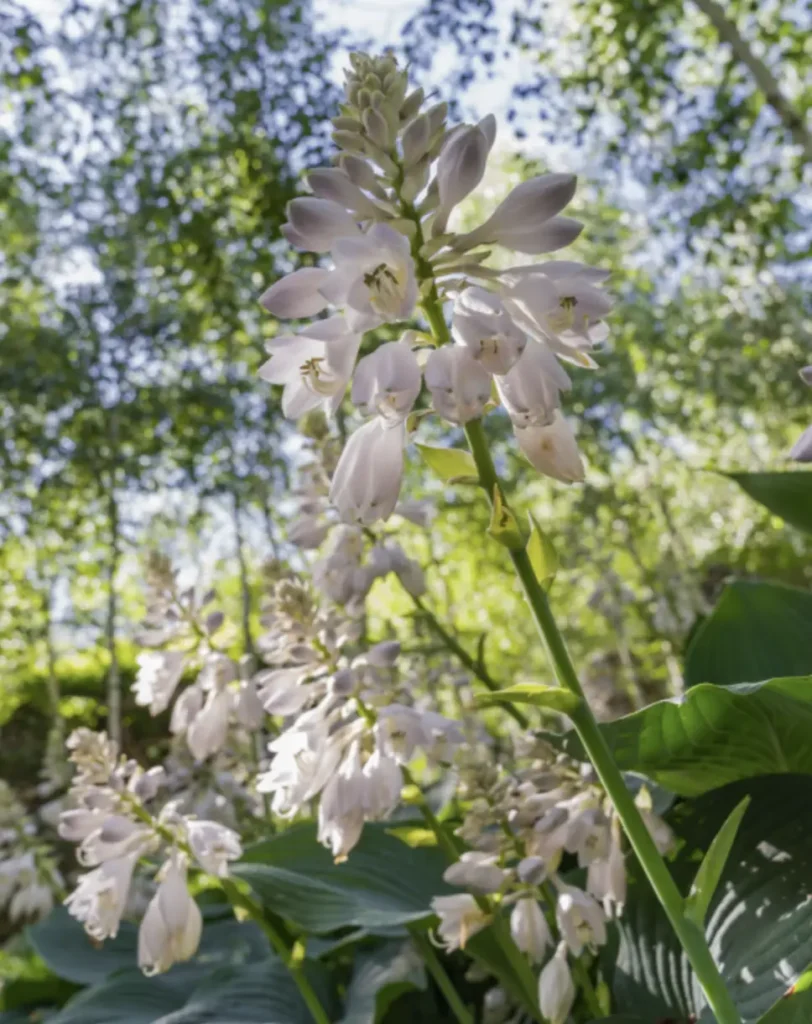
314,366
580,920
282,691
187,707
213,845
333,183
159,673
553,449
531,389
418,511
402,730
31,902
529,928
564,311
387,382
304,760
116,837
461,166
77,824
526,220
383,782
460,918
172,925
556,988
208,731
606,878
460,385
309,532
366,482
248,709
374,278
317,224
341,808
100,896
297,295
477,871
481,323
802,449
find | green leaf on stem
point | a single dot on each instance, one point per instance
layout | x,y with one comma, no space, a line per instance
713,864
787,495
504,526
554,698
542,554
452,465
379,976
794,1006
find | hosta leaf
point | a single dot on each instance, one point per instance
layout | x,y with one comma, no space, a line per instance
716,734
759,924
504,526
379,976
712,866
542,554
756,631
795,1007
127,998
788,495
383,885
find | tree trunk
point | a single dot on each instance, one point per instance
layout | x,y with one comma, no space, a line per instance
113,673
245,587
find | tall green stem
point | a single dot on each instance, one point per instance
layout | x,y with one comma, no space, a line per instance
438,972
691,938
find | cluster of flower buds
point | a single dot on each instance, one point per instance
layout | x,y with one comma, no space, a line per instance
802,449
28,872
521,826
114,828
354,727
382,214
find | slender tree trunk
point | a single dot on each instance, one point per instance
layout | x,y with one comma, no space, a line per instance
270,529
52,680
113,672
765,80
245,587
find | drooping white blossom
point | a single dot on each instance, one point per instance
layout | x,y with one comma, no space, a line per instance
387,382
484,327
556,988
460,385
297,295
100,896
477,871
213,845
580,920
529,928
317,224
531,389
460,917
159,673
366,482
461,166
552,449
172,925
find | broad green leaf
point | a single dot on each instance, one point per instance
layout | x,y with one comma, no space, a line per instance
556,698
127,998
712,866
503,525
451,464
541,553
383,886
788,495
759,923
756,631
715,734
379,977
794,1007
63,945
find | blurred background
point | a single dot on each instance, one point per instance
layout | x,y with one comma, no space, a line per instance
147,151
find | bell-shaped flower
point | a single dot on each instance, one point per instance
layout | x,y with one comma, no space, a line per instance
556,988
248,709
529,928
564,311
309,532
461,166
460,385
580,920
282,691
374,278
116,837
531,389
187,707
553,449
159,673
297,295
383,782
476,870
314,366
207,732
332,183
341,808
213,845
172,925
367,479
481,323
606,878
32,902
77,824
317,224
100,896
402,730
802,449
304,761
460,918
387,382
526,220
